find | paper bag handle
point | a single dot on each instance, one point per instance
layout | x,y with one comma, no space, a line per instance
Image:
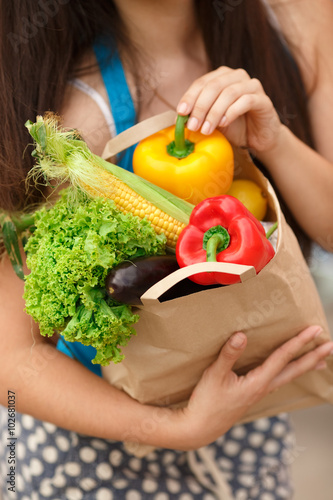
138,132
155,291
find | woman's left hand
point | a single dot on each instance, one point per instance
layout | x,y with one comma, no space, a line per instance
237,104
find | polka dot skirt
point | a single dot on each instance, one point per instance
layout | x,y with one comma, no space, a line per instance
55,464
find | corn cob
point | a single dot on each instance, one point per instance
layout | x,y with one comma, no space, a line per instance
62,156
128,200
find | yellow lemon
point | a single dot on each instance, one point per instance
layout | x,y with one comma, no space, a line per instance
251,195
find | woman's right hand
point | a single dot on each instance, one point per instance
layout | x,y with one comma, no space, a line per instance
221,397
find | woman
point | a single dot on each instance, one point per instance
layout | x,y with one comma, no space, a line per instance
176,44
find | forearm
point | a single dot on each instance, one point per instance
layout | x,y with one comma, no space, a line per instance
305,180
320,109
54,388
307,27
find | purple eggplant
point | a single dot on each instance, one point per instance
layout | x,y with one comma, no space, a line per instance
131,279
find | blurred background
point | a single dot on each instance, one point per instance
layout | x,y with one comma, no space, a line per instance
313,458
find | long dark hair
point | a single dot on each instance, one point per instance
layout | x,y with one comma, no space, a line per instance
41,44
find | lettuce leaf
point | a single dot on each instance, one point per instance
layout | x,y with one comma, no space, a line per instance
73,247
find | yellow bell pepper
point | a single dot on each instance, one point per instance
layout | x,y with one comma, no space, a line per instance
188,164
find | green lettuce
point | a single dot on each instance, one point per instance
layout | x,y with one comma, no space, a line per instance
74,245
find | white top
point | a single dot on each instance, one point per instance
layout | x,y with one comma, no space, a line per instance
99,100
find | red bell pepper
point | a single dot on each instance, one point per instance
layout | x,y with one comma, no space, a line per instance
222,229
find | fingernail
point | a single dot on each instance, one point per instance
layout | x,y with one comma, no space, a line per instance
193,123
321,365
223,122
205,129
237,340
318,332
313,331
182,108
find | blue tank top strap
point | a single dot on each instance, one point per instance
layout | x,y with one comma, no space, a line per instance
120,99
123,112
82,353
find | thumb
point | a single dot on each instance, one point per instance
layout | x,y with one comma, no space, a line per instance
231,352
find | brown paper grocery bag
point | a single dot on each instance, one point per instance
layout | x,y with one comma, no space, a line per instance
177,339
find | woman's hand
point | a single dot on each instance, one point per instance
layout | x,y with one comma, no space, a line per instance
221,397
237,104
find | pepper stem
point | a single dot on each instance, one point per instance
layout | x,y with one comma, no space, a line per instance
180,147
180,133
215,240
271,230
